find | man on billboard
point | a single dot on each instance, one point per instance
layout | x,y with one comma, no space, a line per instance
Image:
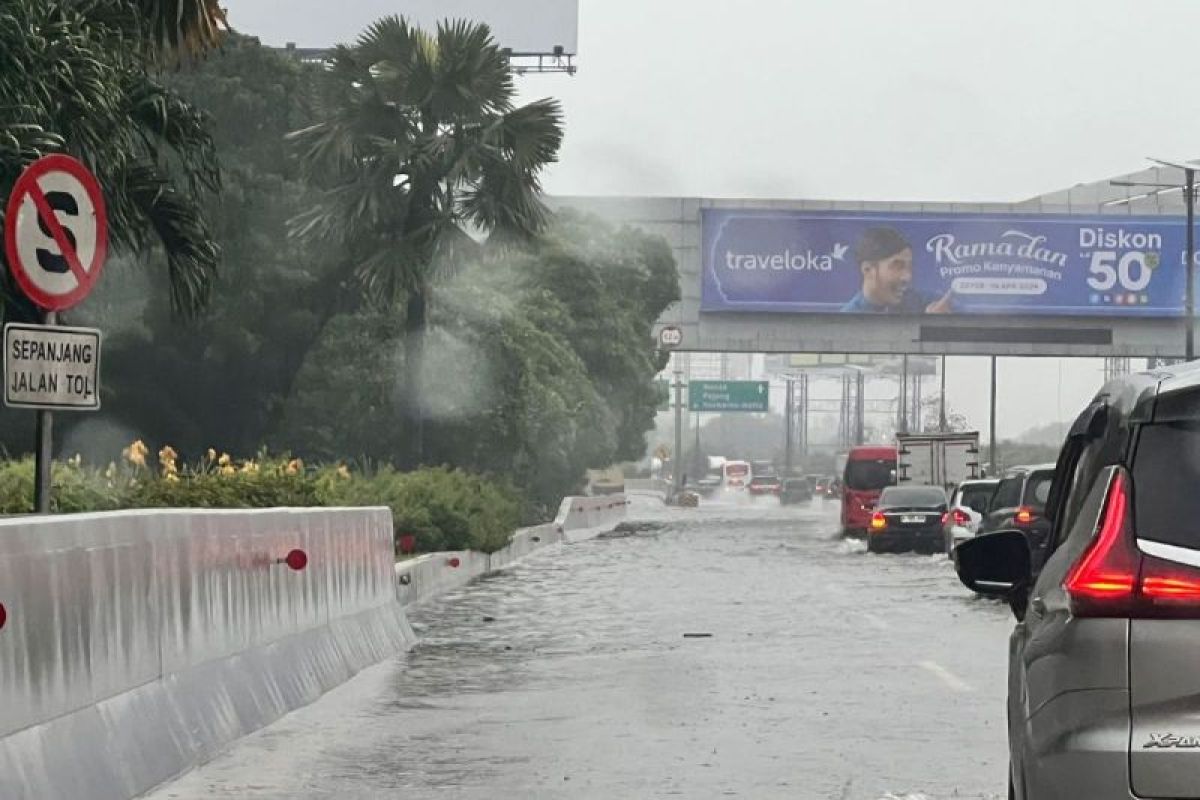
885,259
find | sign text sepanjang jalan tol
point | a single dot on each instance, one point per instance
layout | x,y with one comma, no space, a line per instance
805,261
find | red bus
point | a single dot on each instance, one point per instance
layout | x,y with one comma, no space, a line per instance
869,468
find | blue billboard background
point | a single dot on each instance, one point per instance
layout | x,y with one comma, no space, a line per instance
805,261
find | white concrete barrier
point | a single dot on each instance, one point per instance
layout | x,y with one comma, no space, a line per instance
579,519
138,644
583,518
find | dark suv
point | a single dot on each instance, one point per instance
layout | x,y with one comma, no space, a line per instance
1020,501
1103,689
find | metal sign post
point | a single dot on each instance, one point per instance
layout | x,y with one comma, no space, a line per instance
55,243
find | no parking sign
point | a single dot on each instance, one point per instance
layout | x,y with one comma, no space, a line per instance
55,240
56,232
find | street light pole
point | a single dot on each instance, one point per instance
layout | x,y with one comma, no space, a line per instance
1189,199
677,456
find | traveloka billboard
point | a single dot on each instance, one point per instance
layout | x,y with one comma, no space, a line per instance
928,263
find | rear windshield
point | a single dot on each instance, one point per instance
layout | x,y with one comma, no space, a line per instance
1166,474
1037,489
976,497
870,475
910,496
1008,493
763,479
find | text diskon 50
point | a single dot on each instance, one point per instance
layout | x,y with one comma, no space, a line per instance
1130,270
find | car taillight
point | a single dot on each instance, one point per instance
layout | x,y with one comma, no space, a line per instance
1114,579
945,517
1024,516
1101,582
878,521
961,517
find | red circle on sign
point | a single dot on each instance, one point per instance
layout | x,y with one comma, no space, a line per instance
27,186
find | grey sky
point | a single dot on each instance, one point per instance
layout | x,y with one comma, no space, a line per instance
853,99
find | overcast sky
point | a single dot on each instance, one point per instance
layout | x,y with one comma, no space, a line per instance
852,99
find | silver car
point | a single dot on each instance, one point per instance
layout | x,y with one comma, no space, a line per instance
1104,662
968,504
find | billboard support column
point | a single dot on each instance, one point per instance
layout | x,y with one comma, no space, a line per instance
788,420
804,415
992,425
942,424
860,408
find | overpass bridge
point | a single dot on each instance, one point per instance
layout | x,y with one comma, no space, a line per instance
1081,332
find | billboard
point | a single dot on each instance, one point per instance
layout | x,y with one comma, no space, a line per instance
526,26
940,263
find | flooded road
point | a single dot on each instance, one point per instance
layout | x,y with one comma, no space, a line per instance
726,651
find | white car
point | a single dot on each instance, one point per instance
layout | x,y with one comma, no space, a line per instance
968,504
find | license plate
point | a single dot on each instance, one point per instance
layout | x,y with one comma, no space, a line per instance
913,518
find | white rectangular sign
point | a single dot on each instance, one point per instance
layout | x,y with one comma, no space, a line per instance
51,367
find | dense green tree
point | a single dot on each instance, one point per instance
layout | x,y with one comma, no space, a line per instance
612,283
77,77
221,380
420,141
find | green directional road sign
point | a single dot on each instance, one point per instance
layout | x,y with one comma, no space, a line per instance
727,396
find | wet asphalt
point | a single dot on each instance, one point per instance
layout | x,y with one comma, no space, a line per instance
726,651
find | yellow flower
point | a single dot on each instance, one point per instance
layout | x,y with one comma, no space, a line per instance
212,454
343,471
250,468
172,477
169,468
225,460
167,453
134,456
227,469
294,467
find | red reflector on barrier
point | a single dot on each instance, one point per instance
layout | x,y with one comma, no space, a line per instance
3,615
453,562
408,543
296,559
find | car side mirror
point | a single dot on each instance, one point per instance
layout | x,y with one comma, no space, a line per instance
995,564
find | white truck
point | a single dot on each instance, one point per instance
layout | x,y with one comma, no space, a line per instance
937,459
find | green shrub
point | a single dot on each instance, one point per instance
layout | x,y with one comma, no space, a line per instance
444,509
265,489
75,488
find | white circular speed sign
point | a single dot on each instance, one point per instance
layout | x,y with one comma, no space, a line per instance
56,232
670,336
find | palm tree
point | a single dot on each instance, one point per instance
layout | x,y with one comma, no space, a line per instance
77,78
420,155
183,27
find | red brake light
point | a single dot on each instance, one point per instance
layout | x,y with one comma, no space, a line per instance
1024,516
961,517
1101,582
1113,578
878,521
945,517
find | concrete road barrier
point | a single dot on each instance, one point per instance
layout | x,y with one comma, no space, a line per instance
137,644
578,519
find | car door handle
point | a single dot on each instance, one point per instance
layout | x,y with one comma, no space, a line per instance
1038,605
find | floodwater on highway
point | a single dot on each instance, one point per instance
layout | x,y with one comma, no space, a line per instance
726,651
